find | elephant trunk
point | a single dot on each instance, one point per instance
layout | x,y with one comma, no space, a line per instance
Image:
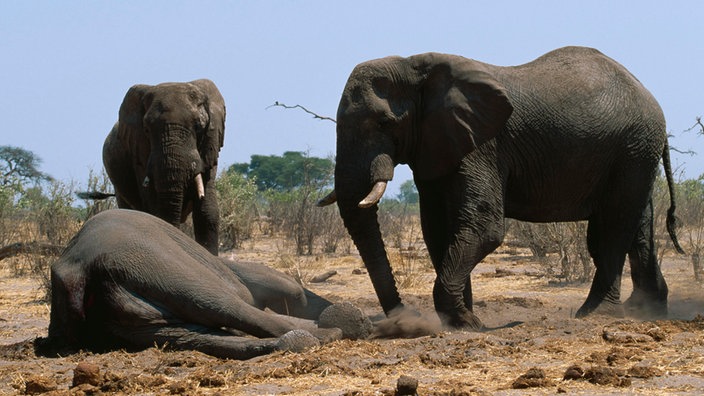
170,183
359,214
175,169
170,207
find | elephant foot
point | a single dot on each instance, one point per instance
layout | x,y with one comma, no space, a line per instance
462,320
348,318
642,306
601,308
297,341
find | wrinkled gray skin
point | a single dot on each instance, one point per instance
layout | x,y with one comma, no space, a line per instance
166,136
129,279
569,136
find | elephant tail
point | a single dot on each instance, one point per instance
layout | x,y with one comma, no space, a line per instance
671,218
94,195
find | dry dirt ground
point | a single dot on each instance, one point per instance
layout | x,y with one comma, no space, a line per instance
534,345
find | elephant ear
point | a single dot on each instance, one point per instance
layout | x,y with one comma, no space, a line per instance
130,129
209,145
463,107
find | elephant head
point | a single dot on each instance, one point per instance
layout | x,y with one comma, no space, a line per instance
173,133
427,111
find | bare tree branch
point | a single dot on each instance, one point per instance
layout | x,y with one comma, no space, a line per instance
315,115
699,124
45,249
686,152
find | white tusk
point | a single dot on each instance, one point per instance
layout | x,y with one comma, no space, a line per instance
145,183
199,186
374,196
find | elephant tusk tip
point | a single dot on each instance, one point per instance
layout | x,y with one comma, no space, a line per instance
374,196
366,204
200,188
327,200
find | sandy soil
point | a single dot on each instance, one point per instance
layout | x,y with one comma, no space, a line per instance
535,342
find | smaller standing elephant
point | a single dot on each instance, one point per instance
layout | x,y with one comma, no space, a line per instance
162,154
129,279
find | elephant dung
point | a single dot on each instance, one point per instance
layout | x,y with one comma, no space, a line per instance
86,373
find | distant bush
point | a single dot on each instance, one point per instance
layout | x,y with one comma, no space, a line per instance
690,194
238,211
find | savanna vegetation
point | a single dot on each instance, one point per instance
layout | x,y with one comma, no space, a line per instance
275,196
526,294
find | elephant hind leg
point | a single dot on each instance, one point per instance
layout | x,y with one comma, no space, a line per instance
608,256
210,341
610,235
649,297
277,291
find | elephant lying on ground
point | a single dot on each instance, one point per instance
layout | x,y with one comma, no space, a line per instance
129,279
569,136
162,154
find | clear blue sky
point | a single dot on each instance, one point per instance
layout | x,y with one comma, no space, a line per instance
66,65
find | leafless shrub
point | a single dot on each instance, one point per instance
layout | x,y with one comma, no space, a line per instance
400,224
333,233
561,248
39,223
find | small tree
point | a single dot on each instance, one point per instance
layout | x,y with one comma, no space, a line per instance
19,169
691,215
408,193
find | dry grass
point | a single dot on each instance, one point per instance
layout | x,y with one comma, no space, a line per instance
531,319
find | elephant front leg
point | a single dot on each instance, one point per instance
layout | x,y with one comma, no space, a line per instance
452,292
460,228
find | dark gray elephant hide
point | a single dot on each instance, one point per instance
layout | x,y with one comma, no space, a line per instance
569,136
129,279
162,154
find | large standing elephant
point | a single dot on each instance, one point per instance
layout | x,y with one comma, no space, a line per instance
569,136
129,279
162,154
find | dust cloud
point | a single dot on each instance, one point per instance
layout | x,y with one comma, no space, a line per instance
407,323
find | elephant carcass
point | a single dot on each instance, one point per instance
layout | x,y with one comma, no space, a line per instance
129,279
